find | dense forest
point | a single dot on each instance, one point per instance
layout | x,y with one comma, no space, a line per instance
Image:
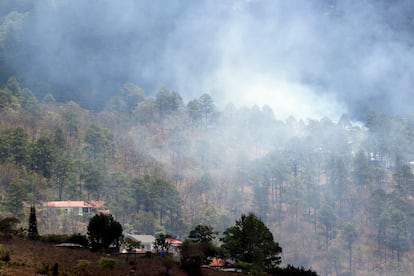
336,194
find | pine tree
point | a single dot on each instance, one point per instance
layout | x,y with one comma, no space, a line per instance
251,244
32,232
103,230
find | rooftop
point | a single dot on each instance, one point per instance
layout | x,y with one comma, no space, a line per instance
74,204
141,238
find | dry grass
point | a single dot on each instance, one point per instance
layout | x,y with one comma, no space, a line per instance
35,257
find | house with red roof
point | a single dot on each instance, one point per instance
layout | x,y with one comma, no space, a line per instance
65,217
76,207
174,247
174,242
217,263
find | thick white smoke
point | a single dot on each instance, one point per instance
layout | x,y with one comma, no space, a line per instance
303,58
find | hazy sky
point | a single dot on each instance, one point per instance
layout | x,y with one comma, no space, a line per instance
306,58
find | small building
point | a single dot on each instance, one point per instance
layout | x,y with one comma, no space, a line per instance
76,207
217,263
173,242
147,241
222,265
174,248
66,217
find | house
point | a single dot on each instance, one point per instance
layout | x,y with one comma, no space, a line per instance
65,217
174,247
174,242
217,263
76,207
147,241
223,265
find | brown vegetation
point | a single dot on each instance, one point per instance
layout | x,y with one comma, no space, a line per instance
35,257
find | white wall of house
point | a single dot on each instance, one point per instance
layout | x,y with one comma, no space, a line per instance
147,241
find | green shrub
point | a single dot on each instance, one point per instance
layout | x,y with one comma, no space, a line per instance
83,263
78,239
107,263
54,238
44,270
4,254
62,238
2,264
244,266
168,262
82,266
291,270
21,263
8,227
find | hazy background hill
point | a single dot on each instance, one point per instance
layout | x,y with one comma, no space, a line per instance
339,56
336,195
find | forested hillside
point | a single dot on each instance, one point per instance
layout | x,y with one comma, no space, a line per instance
85,115
336,195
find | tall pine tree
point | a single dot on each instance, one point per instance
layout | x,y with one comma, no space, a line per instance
32,231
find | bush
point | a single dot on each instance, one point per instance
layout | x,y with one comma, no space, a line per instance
44,270
62,238
54,238
290,270
83,263
78,239
8,227
82,266
192,264
168,262
244,266
55,269
107,263
4,254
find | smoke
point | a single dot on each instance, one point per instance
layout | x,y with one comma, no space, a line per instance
303,58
